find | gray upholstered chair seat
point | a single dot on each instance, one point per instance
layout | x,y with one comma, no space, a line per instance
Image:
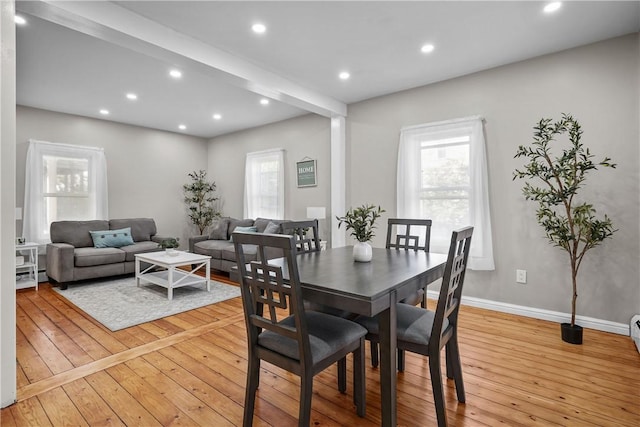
326,335
87,257
414,324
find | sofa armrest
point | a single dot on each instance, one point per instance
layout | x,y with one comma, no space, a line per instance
194,240
60,262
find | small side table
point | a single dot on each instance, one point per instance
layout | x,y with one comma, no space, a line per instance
28,270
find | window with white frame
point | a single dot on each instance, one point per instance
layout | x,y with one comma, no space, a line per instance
442,176
62,182
264,184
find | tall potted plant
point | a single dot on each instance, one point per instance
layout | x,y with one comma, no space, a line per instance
361,222
198,195
569,224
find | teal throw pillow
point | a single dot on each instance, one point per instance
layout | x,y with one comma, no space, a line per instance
244,229
112,238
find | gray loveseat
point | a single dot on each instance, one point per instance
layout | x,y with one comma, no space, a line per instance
72,256
220,248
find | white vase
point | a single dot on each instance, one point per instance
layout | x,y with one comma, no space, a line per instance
362,252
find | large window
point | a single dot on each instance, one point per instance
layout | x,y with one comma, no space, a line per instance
62,182
442,176
264,185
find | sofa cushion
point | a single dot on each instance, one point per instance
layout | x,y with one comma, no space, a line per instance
250,253
141,228
219,228
139,248
233,223
76,233
111,238
87,257
272,228
244,230
262,223
212,248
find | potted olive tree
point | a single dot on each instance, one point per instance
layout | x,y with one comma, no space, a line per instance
554,182
361,222
198,195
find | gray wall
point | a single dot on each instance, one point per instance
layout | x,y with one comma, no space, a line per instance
146,167
598,84
306,136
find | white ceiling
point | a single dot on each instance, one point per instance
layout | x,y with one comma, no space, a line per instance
80,57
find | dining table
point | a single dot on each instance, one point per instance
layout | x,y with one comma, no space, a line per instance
332,277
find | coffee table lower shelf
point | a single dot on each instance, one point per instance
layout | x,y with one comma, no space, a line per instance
178,279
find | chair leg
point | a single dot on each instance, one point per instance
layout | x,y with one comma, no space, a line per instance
359,378
342,375
436,386
253,377
374,354
423,303
306,390
400,360
454,367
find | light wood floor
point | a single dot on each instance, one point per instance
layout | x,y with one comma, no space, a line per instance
189,369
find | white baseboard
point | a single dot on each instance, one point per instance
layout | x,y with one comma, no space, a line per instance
539,313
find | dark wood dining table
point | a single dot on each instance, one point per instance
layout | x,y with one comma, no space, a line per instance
333,278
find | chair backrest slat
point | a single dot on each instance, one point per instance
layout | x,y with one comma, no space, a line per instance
305,234
401,228
452,282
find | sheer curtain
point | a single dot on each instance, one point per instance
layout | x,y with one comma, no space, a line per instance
264,184
414,190
62,182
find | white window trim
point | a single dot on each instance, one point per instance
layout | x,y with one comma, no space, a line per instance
408,187
33,220
250,186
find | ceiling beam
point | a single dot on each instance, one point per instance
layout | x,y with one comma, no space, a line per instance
115,24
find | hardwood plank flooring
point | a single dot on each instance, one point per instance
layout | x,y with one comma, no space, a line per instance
189,369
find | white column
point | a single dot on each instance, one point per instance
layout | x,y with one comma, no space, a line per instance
7,204
338,179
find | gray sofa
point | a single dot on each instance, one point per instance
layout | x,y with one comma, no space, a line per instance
219,246
71,255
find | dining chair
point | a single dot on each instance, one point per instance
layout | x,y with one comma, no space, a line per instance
406,234
299,341
305,233
426,332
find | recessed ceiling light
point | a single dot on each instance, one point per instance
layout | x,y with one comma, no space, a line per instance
264,101
258,28
344,75
104,112
552,7
182,127
176,74
217,116
19,20
132,96
427,48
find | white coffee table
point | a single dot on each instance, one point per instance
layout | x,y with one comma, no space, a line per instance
172,277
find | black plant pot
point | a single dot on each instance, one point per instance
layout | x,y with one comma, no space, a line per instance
571,334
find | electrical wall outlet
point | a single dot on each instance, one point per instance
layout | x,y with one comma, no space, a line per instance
521,276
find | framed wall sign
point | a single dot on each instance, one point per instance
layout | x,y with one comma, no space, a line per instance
306,173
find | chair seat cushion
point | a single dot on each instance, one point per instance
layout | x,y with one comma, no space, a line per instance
414,324
326,335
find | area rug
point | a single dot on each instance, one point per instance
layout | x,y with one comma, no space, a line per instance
119,303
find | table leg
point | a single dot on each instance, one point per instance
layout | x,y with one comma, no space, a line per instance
207,275
170,284
387,326
137,272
